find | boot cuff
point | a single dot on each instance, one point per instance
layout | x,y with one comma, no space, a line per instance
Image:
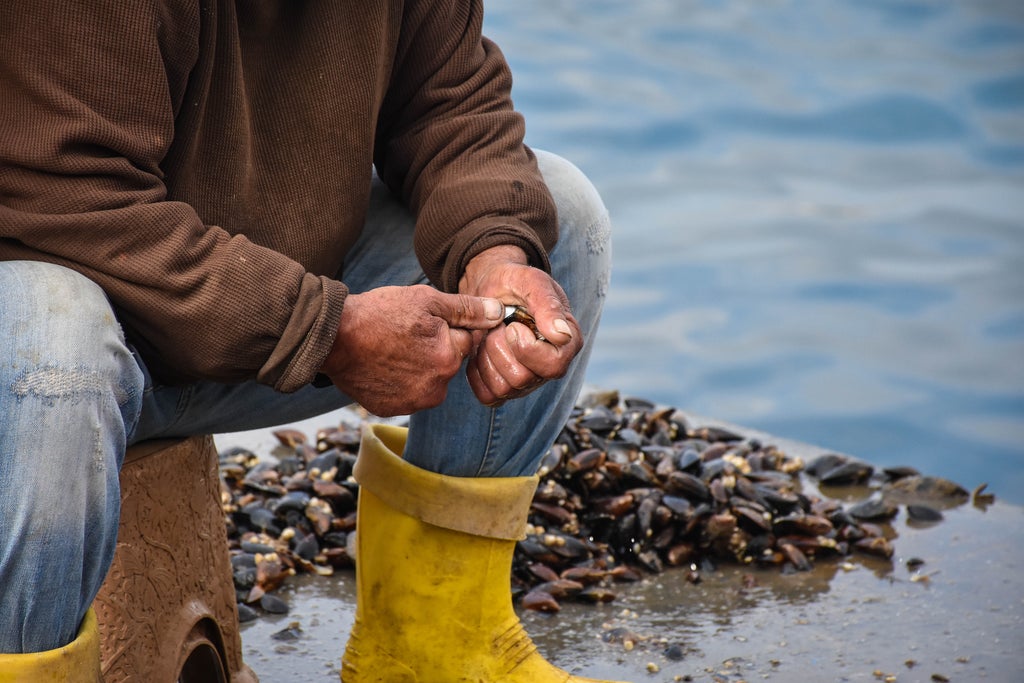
495,507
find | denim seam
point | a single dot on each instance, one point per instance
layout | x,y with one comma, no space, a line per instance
181,408
492,435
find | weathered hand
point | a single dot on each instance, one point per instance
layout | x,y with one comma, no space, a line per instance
398,347
510,362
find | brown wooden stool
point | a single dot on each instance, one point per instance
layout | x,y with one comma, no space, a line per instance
167,608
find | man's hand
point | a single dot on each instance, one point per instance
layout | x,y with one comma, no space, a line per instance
398,347
510,362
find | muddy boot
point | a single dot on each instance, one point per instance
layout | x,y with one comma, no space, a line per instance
433,562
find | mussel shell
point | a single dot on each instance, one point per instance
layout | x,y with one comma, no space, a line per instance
289,465
923,513
245,613
340,498
927,490
677,504
782,501
599,419
542,571
273,604
715,451
585,575
532,548
335,539
849,472
638,402
876,546
551,461
307,547
802,525
550,491
614,506
688,460
554,513
796,557
586,460
244,577
596,594
823,463
560,588
630,436
327,460
609,398
289,437
258,518
680,554
873,509
687,485
635,474
714,434
650,561
899,472
540,601
751,520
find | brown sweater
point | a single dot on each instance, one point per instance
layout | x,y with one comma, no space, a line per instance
208,162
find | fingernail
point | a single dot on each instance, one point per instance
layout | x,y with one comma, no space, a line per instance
563,327
493,310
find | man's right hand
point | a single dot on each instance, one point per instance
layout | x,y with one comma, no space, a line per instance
398,347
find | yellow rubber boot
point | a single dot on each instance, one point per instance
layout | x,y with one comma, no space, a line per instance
76,662
433,561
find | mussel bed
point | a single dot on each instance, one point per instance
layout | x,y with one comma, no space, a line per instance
628,489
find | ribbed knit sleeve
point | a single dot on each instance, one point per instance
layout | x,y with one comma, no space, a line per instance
450,143
89,96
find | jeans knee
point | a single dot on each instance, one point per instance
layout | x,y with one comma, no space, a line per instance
582,258
61,340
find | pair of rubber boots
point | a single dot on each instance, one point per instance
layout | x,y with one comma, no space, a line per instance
434,556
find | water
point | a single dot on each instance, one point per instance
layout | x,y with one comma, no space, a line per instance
819,212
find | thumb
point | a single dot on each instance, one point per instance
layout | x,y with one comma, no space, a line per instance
468,312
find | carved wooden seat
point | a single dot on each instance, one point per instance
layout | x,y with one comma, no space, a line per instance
167,608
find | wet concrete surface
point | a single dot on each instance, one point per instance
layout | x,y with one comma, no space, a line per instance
959,616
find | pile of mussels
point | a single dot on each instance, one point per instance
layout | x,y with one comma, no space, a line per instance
627,489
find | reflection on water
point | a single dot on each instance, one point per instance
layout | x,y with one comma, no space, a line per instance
818,208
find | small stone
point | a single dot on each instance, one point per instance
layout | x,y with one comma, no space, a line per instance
293,632
273,604
674,653
245,613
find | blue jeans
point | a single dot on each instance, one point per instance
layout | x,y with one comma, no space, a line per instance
74,395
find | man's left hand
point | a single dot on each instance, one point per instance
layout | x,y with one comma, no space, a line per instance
510,361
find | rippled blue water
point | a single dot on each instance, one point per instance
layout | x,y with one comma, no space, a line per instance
819,211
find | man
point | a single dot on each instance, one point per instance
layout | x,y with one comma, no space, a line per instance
192,241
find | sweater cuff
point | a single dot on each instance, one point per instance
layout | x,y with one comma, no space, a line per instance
481,235
297,360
